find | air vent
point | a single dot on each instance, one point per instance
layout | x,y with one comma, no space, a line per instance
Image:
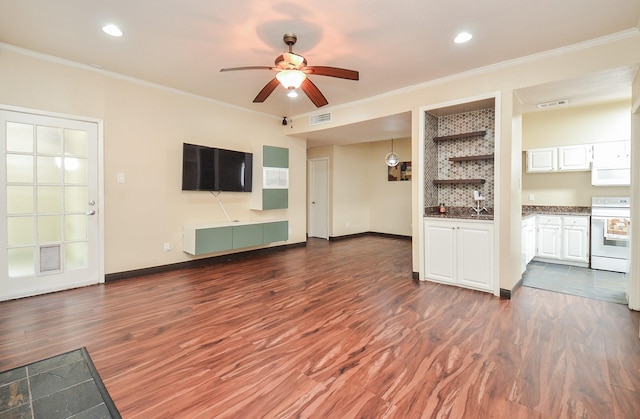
553,103
321,118
50,258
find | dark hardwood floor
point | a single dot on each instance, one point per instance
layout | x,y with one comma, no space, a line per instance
335,330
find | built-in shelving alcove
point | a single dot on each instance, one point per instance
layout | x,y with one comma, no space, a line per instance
459,154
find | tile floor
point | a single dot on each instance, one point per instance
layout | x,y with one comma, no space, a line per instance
584,282
63,386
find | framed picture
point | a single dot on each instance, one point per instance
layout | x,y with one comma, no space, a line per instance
402,171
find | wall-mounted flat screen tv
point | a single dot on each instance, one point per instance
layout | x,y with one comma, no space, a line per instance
215,169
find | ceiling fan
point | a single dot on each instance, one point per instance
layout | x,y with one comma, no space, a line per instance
292,71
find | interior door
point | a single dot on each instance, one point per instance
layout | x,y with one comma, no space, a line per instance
318,205
49,218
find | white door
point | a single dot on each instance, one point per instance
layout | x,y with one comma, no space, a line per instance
49,218
318,205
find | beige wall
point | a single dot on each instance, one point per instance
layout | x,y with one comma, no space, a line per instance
569,126
144,127
350,200
361,199
390,202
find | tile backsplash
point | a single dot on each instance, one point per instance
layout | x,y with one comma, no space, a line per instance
438,165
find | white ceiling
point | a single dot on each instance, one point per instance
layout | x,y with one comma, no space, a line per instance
183,44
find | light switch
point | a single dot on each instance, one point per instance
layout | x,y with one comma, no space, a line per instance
120,177
531,197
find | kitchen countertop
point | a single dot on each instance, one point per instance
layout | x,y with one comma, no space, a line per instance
554,210
466,213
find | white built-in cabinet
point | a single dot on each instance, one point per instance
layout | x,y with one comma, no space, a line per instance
575,239
528,240
459,252
563,239
549,237
563,159
542,159
575,157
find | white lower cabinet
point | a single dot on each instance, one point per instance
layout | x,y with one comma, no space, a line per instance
549,236
459,253
528,241
563,239
575,239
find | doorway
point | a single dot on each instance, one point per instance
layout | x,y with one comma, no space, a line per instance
318,199
49,199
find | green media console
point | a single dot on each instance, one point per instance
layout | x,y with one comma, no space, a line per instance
211,238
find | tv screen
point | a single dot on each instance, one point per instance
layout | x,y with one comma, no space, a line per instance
215,169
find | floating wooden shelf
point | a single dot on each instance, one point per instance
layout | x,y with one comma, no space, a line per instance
469,158
460,136
455,181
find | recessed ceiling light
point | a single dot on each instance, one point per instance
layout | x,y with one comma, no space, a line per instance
463,37
112,30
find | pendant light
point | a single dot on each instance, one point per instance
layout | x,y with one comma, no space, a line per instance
392,158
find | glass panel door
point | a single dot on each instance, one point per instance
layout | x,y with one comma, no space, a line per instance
49,218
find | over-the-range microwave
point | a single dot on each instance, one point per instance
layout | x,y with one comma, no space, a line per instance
610,176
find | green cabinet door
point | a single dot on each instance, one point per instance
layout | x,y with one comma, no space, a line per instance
214,239
276,232
275,199
275,156
247,235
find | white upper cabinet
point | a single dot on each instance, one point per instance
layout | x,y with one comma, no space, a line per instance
575,157
542,159
612,154
562,159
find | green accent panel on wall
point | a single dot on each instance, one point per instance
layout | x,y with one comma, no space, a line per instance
275,199
247,235
212,240
276,232
275,156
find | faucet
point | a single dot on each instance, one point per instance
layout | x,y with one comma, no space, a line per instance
477,197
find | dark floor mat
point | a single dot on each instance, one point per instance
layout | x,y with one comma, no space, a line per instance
63,386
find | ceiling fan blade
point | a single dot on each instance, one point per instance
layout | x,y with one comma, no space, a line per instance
313,92
266,91
253,67
341,73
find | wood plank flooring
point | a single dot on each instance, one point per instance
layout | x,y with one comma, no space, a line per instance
335,330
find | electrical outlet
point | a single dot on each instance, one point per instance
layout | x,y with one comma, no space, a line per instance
531,197
167,247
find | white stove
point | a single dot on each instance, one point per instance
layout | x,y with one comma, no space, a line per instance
610,219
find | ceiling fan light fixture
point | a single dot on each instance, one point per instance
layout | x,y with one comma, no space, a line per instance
292,59
292,92
291,78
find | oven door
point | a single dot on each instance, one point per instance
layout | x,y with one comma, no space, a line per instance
609,237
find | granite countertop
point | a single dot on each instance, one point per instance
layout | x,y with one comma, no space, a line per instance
466,213
554,210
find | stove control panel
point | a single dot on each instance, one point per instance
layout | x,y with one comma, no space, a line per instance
610,201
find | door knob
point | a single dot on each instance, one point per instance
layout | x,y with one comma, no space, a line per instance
91,212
